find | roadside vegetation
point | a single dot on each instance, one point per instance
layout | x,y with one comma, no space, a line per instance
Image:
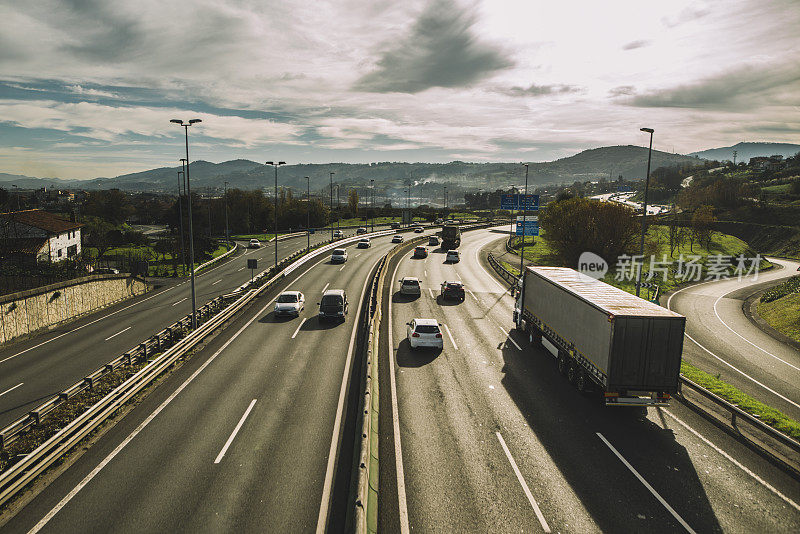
780,308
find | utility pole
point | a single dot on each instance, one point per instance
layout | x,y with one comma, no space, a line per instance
331,204
308,214
524,213
227,234
644,212
372,201
180,217
734,158
276,164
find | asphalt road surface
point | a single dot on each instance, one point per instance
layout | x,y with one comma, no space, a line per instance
721,339
486,436
242,438
34,369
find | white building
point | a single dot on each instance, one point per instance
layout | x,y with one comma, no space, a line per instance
40,235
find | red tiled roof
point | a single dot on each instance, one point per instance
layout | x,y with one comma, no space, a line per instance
42,220
28,245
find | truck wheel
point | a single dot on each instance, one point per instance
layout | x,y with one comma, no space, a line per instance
581,382
562,364
572,374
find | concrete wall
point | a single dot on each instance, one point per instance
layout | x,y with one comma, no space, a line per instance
27,312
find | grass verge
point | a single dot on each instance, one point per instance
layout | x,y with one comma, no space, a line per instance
783,315
766,414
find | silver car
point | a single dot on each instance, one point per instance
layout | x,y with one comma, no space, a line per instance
290,303
424,333
339,255
409,285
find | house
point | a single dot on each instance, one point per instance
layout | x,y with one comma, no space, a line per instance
39,235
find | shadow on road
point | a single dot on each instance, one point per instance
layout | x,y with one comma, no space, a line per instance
398,297
408,357
567,424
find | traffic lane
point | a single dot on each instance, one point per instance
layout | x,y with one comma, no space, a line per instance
116,331
171,479
767,369
696,509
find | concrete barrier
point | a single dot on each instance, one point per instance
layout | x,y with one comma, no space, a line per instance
27,312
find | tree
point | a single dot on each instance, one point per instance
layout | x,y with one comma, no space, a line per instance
111,205
352,202
98,234
702,221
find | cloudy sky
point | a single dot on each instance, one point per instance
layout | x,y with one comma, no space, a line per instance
87,87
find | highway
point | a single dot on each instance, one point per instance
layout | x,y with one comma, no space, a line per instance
242,438
721,339
487,436
34,369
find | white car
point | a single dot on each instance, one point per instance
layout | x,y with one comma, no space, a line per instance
337,234
290,303
364,242
361,230
397,238
409,285
254,243
452,256
339,255
424,333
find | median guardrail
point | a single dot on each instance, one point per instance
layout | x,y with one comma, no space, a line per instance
172,343
507,276
218,258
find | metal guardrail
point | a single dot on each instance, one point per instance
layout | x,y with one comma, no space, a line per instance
509,277
218,258
735,411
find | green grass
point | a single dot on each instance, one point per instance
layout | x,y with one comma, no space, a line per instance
783,315
766,414
777,189
260,237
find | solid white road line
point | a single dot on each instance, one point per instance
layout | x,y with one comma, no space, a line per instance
299,326
217,282
11,389
88,478
118,333
473,294
453,341
326,287
398,452
431,292
524,485
511,339
221,454
178,302
758,479
646,484
426,273
744,338
327,487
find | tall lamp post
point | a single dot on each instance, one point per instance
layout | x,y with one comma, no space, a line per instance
183,166
191,231
308,213
180,218
338,209
372,202
331,203
276,164
524,212
644,212
227,234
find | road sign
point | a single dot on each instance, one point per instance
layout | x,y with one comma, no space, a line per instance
252,263
624,189
531,227
527,218
519,202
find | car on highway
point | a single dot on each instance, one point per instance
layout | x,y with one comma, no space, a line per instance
339,255
452,290
254,243
409,285
420,252
419,230
289,303
105,270
439,221
364,243
333,305
424,333
395,225
338,234
452,256
433,241
397,238
361,230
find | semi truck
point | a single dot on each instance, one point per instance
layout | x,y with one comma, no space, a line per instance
602,337
451,237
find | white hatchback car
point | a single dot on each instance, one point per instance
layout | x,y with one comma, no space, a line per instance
424,333
254,243
339,255
290,303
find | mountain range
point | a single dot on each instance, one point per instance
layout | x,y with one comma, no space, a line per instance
609,162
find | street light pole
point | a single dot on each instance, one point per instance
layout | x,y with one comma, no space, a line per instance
180,218
276,164
331,203
644,212
183,166
191,231
338,208
524,212
372,202
308,213
227,234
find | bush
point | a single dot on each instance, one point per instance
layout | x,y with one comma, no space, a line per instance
792,285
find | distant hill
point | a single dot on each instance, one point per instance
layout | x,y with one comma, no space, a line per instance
628,161
29,182
745,151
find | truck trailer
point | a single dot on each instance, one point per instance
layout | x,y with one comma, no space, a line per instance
601,336
451,237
